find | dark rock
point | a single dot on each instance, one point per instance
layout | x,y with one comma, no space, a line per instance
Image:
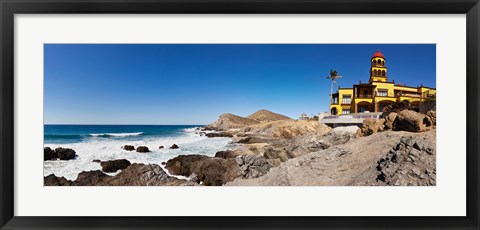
143,149
160,147
222,134
174,146
134,175
128,148
97,161
52,180
90,178
418,145
65,153
226,154
211,171
115,165
408,164
252,140
145,175
49,154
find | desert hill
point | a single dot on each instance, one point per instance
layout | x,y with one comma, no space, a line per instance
266,116
228,121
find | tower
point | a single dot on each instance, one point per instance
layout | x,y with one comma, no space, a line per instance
378,70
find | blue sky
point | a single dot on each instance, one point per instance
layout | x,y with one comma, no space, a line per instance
195,83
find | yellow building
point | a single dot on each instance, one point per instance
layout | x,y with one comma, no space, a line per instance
377,93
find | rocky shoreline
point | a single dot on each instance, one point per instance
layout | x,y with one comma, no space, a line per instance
397,149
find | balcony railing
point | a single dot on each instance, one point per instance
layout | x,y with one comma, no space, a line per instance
364,96
409,95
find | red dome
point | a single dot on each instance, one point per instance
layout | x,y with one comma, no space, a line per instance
378,54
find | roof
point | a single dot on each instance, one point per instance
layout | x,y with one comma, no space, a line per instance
378,54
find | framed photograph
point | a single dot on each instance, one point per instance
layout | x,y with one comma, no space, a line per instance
242,115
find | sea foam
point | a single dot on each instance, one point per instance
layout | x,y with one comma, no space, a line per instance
190,142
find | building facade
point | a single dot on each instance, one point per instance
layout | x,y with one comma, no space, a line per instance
378,93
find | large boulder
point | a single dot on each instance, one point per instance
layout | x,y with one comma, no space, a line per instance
91,178
49,154
174,146
389,119
143,149
210,171
115,165
371,126
409,120
431,117
128,147
65,153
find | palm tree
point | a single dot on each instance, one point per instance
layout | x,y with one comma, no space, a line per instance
333,77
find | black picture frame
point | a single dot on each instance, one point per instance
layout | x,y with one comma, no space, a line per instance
9,8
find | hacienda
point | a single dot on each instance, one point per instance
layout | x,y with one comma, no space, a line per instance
378,93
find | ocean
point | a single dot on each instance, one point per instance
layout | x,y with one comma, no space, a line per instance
104,142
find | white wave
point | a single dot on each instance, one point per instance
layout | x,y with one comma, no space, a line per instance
110,149
116,134
191,130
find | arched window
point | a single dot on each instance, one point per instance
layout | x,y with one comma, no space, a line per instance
379,62
383,72
375,73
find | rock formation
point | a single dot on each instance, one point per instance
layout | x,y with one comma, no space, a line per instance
133,175
58,153
410,162
405,120
354,162
143,149
370,126
128,148
210,171
409,120
114,165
